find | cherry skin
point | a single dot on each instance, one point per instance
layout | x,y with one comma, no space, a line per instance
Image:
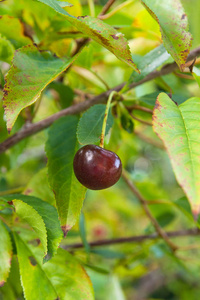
97,168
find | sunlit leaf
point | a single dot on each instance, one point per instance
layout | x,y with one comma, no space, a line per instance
90,124
35,283
196,74
178,127
6,50
173,26
99,31
13,30
31,216
60,278
61,147
73,283
5,253
32,70
42,217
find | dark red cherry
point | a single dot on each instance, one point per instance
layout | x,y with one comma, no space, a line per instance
97,168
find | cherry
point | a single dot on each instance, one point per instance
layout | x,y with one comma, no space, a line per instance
97,168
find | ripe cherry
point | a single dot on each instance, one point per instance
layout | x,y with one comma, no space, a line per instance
97,168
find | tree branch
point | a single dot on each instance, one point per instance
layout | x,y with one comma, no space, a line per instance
31,129
143,202
136,239
106,7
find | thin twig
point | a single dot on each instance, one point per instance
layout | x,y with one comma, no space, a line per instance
75,109
140,120
106,7
185,76
137,239
115,10
139,107
143,202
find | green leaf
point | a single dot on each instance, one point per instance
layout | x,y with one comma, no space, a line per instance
5,253
35,283
173,23
66,94
64,3
73,283
100,32
149,63
60,278
43,217
13,30
61,147
196,74
6,50
184,206
90,124
178,128
2,81
38,186
83,234
31,71
31,216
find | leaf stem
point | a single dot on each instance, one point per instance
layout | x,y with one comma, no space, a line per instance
115,10
91,7
106,117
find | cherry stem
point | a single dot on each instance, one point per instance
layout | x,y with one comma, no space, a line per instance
105,118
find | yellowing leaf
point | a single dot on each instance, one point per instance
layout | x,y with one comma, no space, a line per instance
178,127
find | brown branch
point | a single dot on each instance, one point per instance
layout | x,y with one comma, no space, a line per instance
106,7
34,128
140,120
137,239
143,202
139,107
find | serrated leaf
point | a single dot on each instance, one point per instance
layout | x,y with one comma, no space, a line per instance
5,253
44,220
31,216
173,23
90,124
32,70
35,283
100,32
13,30
60,278
61,147
74,283
178,128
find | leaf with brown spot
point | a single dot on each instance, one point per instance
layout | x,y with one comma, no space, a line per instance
173,23
42,217
30,73
56,279
100,32
5,253
179,128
